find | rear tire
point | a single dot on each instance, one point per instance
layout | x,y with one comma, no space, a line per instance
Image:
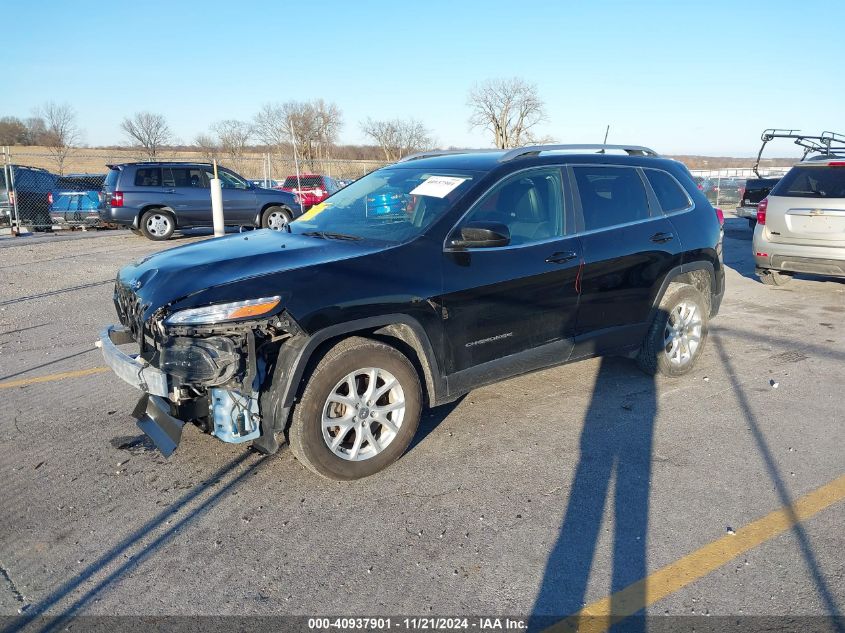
376,419
774,277
752,223
275,218
677,333
158,225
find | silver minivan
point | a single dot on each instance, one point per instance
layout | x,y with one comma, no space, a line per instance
801,224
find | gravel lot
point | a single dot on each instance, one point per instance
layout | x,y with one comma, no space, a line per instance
534,496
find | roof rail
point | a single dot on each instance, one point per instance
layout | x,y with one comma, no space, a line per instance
533,150
442,152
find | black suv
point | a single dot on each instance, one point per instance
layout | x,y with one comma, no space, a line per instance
156,198
412,286
32,187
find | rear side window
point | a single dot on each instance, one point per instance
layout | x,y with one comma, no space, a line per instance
812,182
610,196
670,194
183,177
148,177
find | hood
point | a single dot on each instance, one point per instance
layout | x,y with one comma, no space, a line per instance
179,273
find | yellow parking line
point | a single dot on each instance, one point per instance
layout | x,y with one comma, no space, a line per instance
23,382
596,617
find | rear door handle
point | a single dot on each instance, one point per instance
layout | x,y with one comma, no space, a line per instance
561,257
169,191
660,238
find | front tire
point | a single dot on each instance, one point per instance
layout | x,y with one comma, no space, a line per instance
275,218
157,225
359,411
774,278
677,333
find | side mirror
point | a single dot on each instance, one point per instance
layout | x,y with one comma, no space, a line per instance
483,235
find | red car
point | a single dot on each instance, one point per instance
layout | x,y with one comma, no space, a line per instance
311,188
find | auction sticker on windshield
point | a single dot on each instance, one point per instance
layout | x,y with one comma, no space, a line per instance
437,186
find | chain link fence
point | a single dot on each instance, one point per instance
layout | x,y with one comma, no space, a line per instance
33,195
724,187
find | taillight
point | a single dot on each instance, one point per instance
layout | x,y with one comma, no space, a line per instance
836,163
761,211
721,216
117,199
50,198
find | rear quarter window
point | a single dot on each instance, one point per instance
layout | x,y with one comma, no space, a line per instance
111,179
670,194
812,182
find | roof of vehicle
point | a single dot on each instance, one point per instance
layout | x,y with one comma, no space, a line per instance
160,163
486,160
823,161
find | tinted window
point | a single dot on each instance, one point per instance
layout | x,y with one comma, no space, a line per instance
148,177
228,180
670,194
812,182
610,196
304,181
183,177
528,204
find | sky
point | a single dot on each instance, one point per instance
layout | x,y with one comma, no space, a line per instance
679,76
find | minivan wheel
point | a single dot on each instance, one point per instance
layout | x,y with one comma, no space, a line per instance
774,277
157,225
677,333
359,411
275,218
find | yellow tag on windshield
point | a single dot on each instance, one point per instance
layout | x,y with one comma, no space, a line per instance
314,211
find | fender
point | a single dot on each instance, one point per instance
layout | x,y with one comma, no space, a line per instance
675,273
280,397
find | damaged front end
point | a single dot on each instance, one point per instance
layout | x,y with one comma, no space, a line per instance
207,366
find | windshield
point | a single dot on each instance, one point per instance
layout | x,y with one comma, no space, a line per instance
393,204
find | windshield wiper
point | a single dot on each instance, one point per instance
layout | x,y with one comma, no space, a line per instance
328,235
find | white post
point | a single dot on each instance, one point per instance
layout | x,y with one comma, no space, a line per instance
217,204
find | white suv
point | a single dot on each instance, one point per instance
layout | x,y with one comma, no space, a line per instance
801,224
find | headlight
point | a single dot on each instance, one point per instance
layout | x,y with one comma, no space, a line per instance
223,312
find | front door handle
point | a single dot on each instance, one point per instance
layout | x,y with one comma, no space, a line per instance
169,191
660,238
561,257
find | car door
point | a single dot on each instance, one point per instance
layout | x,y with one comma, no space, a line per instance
511,300
189,193
239,201
628,247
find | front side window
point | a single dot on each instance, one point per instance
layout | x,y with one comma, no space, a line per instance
148,177
670,194
812,182
529,204
610,196
393,204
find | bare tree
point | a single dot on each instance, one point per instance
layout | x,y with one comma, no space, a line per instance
35,130
397,138
207,146
148,131
312,126
13,131
509,108
61,131
233,136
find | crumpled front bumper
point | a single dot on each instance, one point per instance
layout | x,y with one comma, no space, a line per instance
153,409
131,369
